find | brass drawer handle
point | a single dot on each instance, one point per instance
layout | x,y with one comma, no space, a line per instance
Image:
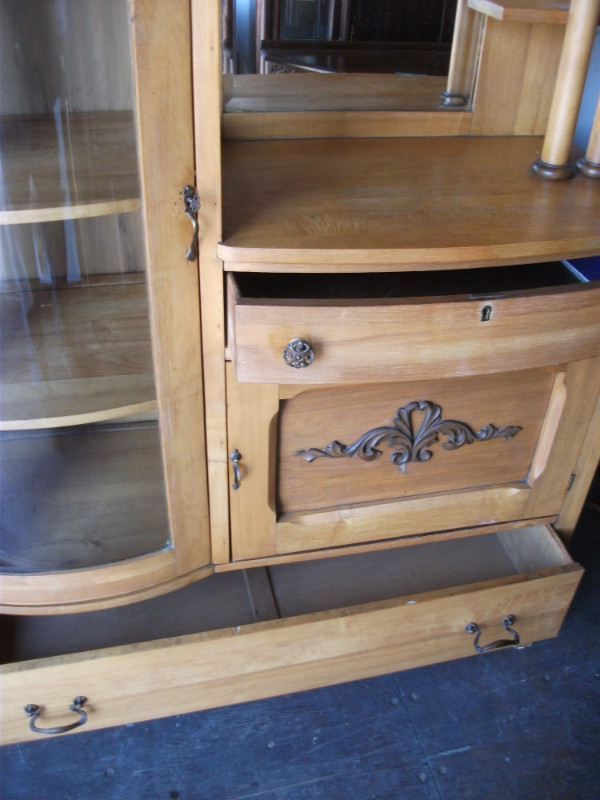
33,712
235,459
473,627
298,354
191,204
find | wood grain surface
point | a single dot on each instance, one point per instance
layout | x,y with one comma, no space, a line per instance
386,338
240,663
75,165
399,203
537,11
76,349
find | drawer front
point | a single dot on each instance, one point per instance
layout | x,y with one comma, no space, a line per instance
377,340
302,652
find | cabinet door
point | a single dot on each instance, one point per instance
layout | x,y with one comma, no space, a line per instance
326,467
103,471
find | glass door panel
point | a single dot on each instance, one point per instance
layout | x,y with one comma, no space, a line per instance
80,460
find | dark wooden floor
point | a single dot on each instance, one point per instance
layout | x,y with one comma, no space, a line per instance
511,725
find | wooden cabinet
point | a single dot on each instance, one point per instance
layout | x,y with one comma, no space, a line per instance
377,392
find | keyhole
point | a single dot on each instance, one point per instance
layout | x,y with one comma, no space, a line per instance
486,313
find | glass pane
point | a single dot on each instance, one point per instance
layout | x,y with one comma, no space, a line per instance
306,19
385,37
80,457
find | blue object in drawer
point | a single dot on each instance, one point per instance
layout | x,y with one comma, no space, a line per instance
586,269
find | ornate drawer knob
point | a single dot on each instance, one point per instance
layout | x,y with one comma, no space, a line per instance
298,354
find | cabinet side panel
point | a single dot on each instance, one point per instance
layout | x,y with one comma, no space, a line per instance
516,78
586,466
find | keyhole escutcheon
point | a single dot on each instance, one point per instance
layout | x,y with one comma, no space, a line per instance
486,313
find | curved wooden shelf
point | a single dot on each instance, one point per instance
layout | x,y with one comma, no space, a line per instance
552,12
393,204
89,418
82,497
69,167
75,354
27,216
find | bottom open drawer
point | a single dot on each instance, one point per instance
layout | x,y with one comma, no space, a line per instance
343,618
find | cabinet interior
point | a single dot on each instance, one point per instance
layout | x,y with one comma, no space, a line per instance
470,283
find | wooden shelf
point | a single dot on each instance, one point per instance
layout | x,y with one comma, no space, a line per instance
82,497
79,165
376,58
317,105
330,92
76,354
536,11
393,204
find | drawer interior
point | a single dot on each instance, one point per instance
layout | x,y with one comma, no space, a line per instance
242,597
483,282
308,587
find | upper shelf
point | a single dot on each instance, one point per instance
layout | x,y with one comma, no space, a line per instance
537,11
67,167
405,203
314,91
76,354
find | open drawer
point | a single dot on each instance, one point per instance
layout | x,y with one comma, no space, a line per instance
393,610
352,328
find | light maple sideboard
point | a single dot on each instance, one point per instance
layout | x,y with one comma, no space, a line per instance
299,383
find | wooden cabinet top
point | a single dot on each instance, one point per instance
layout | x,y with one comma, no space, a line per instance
407,203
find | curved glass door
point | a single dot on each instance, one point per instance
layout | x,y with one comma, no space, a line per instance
80,462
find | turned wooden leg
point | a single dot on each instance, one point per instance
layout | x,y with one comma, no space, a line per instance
462,58
572,69
590,164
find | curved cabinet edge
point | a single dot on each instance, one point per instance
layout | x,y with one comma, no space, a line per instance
95,588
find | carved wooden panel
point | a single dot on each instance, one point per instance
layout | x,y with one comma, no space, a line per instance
329,439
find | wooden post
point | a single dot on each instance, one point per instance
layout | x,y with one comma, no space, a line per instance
590,164
462,57
579,38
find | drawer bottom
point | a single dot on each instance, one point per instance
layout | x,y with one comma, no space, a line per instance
342,619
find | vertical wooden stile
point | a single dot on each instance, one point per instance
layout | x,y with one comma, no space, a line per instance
206,61
164,93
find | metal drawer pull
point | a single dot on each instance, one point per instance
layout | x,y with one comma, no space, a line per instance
473,627
235,459
33,711
298,354
191,203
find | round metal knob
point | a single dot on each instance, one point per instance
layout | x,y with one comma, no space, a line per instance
298,354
